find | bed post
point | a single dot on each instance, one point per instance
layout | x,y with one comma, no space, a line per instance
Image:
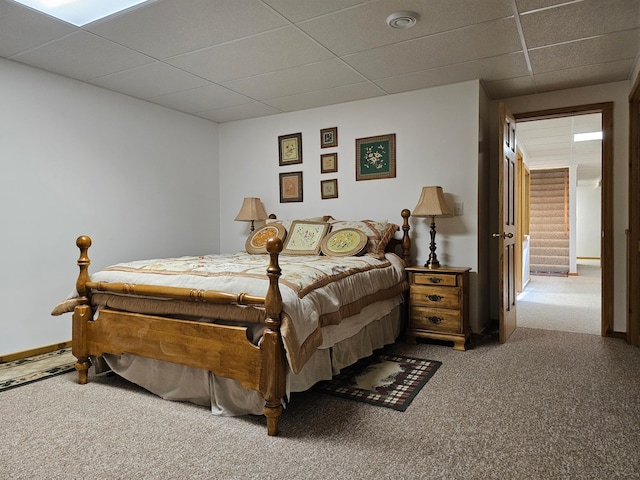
82,313
406,241
274,364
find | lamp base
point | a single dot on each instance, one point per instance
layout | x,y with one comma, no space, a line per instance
432,264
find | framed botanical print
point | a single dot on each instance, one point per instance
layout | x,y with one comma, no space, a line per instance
329,188
290,149
376,157
329,137
329,163
290,187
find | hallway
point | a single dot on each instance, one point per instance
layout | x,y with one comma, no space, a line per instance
568,304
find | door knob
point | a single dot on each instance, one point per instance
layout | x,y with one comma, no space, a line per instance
504,235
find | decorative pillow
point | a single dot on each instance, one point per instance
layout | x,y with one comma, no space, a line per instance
257,241
344,243
378,232
304,237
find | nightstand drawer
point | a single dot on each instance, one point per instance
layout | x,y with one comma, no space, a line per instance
438,279
436,319
439,297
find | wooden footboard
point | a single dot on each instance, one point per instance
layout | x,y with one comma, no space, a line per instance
222,349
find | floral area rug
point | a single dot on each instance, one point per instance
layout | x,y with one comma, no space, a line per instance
383,380
28,370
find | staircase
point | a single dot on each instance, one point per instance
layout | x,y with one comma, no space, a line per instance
549,221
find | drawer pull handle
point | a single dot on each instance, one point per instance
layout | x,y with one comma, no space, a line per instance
434,319
435,279
435,298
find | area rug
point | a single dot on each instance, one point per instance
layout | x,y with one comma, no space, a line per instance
28,370
383,380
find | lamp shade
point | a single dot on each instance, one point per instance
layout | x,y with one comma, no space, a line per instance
251,209
431,204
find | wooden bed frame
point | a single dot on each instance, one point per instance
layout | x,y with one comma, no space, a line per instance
221,349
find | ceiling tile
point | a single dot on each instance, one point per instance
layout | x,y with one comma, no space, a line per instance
297,10
332,96
584,76
576,20
150,81
591,51
528,5
364,27
83,56
305,78
166,28
494,68
238,112
479,41
511,87
42,28
201,99
271,51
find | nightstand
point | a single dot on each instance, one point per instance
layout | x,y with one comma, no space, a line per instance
439,305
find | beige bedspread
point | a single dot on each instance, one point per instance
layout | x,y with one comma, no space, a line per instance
316,290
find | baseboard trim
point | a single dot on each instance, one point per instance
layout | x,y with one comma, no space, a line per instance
619,335
12,357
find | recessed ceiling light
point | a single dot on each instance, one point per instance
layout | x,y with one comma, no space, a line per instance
583,137
81,12
402,19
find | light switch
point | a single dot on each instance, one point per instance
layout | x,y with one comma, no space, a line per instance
459,208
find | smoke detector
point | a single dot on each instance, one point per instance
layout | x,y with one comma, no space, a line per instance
402,19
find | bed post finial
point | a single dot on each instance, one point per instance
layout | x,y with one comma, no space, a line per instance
274,388
83,243
406,240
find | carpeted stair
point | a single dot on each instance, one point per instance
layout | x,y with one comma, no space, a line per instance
549,222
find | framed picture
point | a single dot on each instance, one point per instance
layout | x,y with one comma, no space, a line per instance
328,163
376,157
329,188
329,137
291,187
290,149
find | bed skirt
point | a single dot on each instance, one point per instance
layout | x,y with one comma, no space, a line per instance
354,338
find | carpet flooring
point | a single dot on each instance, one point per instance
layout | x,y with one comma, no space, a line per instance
28,370
544,405
382,380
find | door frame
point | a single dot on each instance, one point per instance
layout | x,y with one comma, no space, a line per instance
606,198
633,232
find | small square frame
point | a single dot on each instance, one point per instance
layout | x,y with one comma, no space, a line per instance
291,187
376,157
329,188
329,137
290,149
329,162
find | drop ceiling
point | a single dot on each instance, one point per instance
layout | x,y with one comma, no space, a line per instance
549,144
227,60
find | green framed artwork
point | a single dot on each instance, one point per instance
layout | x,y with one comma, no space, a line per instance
376,157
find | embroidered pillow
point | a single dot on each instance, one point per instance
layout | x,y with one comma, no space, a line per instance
378,233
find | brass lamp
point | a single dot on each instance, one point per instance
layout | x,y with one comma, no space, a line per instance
432,204
251,211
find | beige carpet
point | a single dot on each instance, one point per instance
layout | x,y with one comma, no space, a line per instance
569,304
545,405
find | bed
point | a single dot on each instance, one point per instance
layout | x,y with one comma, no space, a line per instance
216,329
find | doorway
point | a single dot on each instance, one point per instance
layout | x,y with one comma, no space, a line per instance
605,123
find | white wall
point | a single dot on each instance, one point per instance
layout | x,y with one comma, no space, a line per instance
140,179
437,144
618,93
588,221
